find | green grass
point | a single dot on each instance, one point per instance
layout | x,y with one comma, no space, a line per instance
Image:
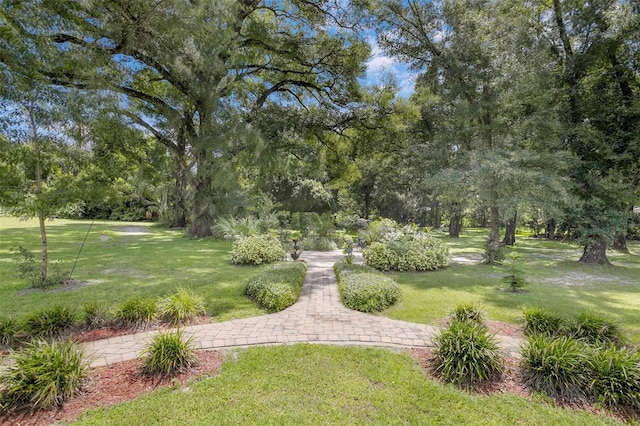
312,384
118,265
557,282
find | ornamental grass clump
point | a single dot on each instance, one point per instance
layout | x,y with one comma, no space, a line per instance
615,376
168,353
95,315
181,306
467,312
49,323
277,286
467,354
364,289
257,250
557,366
136,312
594,329
541,321
9,328
42,375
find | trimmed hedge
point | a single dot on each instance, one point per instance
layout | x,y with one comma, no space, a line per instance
257,250
364,289
417,253
277,286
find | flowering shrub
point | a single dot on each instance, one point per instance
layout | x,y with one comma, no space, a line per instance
257,250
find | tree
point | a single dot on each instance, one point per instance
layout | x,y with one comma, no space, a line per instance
192,73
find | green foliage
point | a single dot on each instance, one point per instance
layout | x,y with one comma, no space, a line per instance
318,243
515,278
594,329
277,286
49,323
181,306
136,312
616,376
466,354
257,250
557,366
467,312
420,253
42,375
231,228
541,321
95,315
364,289
30,271
168,353
9,329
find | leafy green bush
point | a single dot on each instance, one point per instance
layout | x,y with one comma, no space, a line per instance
94,315
29,270
181,306
168,353
49,323
9,329
318,243
466,354
136,312
557,366
541,321
594,329
364,289
42,375
417,252
616,376
257,250
467,312
277,286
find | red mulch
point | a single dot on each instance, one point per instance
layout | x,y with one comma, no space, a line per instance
116,383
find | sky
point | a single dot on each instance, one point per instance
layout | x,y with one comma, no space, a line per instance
380,66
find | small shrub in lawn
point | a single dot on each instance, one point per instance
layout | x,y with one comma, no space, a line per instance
168,353
594,329
49,323
467,312
616,376
557,366
95,315
277,286
364,289
317,243
136,312
415,252
9,329
181,306
467,354
541,321
257,250
42,375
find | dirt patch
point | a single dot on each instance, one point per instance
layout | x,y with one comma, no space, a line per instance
70,285
579,279
135,230
116,383
128,272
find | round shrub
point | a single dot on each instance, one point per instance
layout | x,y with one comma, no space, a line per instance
466,354
168,353
418,252
541,321
257,250
616,376
594,329
277,286
364,289
42,375
136,312
557,366
181,306
49,323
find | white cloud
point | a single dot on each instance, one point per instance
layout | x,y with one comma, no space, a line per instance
380,66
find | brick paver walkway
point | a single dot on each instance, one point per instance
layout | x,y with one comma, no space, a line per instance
317,317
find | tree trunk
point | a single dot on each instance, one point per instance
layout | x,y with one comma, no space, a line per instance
620,242
550,229
455,223
436,215
44,251
493,247
203,198
510,231
595,253
179,217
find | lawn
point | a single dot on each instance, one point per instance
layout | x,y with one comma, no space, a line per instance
556,282
115,265
313,384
